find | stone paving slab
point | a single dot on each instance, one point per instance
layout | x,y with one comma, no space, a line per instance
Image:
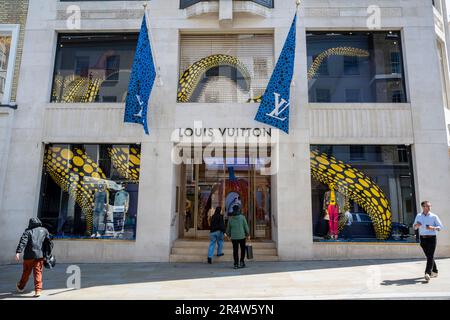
351,279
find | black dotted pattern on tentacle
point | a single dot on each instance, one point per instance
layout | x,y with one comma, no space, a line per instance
355,185
191,77
338,51
280,83
127,161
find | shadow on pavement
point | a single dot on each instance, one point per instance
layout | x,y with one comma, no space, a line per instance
403,282
97,275
14,295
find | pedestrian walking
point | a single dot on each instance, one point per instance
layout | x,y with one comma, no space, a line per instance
238,230
32,243
216,234
428,225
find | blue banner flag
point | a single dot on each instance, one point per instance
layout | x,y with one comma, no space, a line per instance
141,80
274,107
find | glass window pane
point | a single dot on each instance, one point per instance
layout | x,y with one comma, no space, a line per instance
373,183
228,68
93,67
355,67
5,47
90,191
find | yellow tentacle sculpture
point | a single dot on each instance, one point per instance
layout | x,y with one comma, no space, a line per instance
76,89
127,161
192,76
338,51
70,169
357,186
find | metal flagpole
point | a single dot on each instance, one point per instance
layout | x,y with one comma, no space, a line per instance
150,36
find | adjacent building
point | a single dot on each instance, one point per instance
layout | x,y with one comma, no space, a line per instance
13,16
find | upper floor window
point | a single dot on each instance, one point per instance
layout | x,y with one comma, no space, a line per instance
93,67
8,45
224,68
355,67
187,3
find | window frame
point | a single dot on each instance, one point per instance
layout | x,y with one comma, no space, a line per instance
184,4
10,69
44,181
59,35
403,57
254,32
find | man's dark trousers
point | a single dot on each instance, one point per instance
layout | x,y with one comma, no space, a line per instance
428,245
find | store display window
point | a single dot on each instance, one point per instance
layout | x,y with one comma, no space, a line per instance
90,190
355,67
362,193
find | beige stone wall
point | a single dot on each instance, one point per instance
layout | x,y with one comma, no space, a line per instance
37,121
15,12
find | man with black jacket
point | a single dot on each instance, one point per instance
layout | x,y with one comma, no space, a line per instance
32,241
216,234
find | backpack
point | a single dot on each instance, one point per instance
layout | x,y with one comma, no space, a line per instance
49,259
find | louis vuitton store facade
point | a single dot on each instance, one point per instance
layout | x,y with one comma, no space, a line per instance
367,138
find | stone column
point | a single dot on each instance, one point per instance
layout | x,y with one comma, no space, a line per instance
430,149
293,180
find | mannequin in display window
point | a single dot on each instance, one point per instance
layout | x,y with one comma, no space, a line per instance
333,203
101,200
121,204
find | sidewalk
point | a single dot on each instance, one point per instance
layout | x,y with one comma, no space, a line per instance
359,279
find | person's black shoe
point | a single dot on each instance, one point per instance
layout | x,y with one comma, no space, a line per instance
242,265
236,266
209,260
219,255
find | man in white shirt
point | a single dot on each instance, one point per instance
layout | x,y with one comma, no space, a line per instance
428,224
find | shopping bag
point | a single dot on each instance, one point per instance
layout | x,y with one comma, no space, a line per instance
249,251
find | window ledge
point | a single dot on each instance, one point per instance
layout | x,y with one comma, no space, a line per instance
201,8
252,8
96,240
91,106
6,110
359,106
389,243
206,7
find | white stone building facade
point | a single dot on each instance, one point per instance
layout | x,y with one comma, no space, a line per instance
416,123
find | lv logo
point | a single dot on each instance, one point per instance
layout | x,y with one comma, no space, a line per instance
279,108
141,105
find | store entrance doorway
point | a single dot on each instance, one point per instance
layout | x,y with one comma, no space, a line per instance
223,183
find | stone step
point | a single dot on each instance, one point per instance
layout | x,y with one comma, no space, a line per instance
227,251
225,258
185,243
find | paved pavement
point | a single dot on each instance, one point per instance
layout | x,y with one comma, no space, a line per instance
356,279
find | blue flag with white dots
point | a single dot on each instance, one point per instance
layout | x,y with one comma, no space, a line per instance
274,107
141,80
